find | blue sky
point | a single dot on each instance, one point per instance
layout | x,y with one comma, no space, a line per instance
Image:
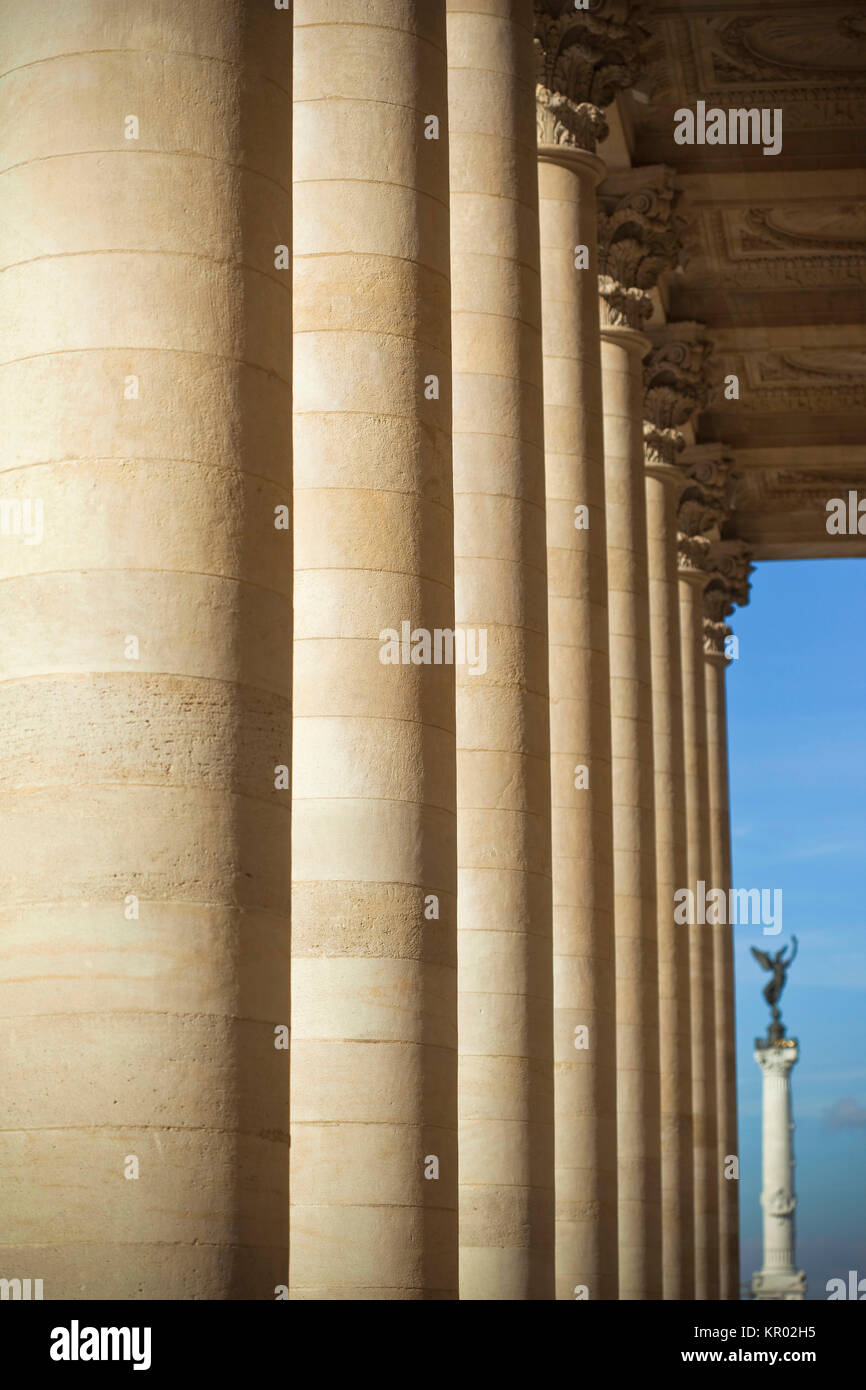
797,737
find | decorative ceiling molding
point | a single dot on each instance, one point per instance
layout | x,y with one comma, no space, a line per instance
795,489
825,43
733,254
810,62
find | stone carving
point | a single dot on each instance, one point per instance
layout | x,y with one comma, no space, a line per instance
781,1203
675,388
586,56
661,446
711,476
797,489
675,375
692,549
705,504
566,123
737,255
804,46
804,229
622,307
715,637
729,565
639,236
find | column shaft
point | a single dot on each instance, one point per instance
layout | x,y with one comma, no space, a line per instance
701,964
584,1039
144,657
675,1066
723,968
374,1063
505,972
635,906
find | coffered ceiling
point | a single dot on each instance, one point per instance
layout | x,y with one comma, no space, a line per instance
775,264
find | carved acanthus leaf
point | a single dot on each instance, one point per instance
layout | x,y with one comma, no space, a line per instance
729,565
565,123
691,552
588,55
675,372
707,499
639,236
716,635
661,446
621,306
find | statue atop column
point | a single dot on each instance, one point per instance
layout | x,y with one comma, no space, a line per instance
772,992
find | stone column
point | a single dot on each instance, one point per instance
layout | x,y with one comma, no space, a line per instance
576,79
702,507
505,968
673,392
145,648
778,1278
636,241
374,1061
728,570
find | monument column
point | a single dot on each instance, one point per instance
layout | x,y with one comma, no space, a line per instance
636,241
776,1055
577,78
728,570
505,967
673,391
145,648
374,1045
778,1277
703,505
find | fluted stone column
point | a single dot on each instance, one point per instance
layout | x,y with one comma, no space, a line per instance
374,1062
505,968
673,392
576,79
728,565
144,656
702,507
636,240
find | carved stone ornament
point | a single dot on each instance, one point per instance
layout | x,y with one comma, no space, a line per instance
661,446
639,236
692,553
729,564
675,376
715,637
587,56
675,388
565,123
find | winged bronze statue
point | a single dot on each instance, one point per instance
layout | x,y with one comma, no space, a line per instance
779,967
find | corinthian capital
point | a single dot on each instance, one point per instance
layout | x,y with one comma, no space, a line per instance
705,504
675,389
692,551
710,482
567,124
675,374
729,564
639,236
586,56
715,637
